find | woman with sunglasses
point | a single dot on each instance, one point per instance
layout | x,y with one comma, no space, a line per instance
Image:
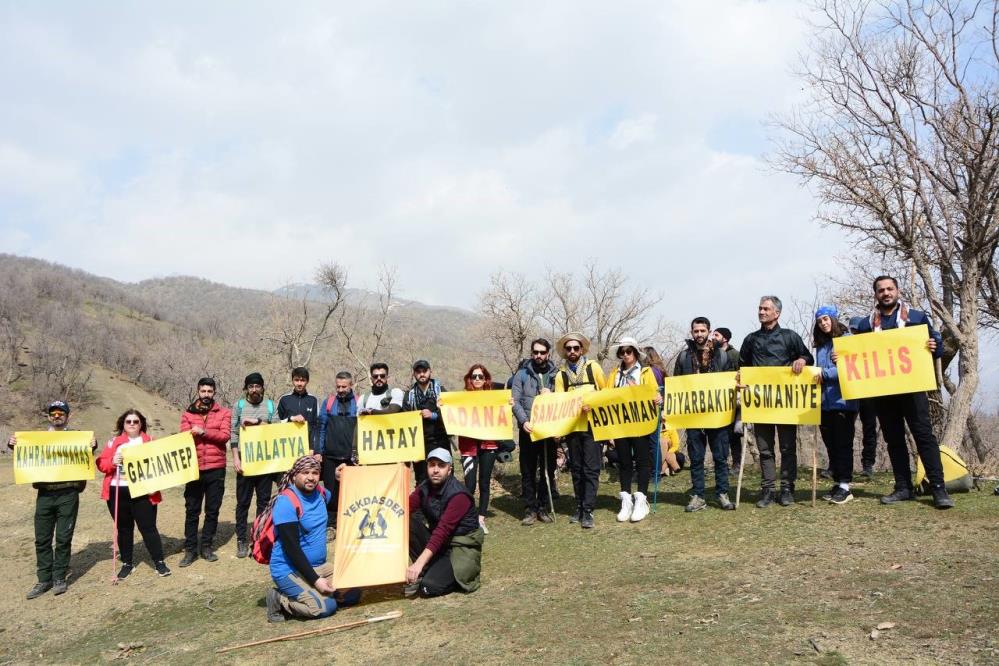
478,456
131,511
634,453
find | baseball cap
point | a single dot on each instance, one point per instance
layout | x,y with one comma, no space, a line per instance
441,454
421,365
58,404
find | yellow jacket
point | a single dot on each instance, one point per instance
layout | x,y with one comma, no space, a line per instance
593,368
646,376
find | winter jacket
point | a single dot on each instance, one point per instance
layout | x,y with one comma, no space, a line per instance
687,360
526,386
306,405
916,317
733,357
832,396
773,348
211,445
104,464
338,427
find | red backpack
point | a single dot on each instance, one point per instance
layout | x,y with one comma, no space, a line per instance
263,534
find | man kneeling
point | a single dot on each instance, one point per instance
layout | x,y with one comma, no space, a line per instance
445,540
298,561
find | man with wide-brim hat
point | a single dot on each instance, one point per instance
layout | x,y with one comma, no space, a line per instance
577,373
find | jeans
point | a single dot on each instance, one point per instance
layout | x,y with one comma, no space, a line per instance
697,441
209,488
894,412
869,423
299,599
246,486
766,436
55,513
135,512
479,468
584,463
837,430
532,459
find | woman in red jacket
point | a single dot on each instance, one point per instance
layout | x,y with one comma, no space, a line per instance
478,456
132,511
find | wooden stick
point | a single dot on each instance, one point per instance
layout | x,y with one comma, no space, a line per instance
315,632
742,464
815,469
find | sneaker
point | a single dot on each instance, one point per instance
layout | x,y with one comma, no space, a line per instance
640,509
188,559
586,520
941,499
696,504
162,569
868,471
39,589
766,498
482,524
576,517
59,586
786,497
626,507
529,518
828,495
274,612
725,503
411,590
840,495
242,549
124,571
545,517
208,555
900,495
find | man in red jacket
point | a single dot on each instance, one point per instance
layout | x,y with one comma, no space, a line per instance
209,422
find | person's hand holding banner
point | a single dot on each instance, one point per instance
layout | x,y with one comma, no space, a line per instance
160,464
483,415
778,395
266,449
557,414
704,400
53,456
885,363
388,438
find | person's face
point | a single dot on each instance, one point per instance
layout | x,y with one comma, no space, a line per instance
886,292
478,378
307,481
573,350
299,384
344,387
255,392
768,313
422,375
58,418
205,392
699,333
628,356
379,377
825,324
539,354
132,425
718,338
437,471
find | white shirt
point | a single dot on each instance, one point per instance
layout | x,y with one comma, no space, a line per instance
121,480
375,401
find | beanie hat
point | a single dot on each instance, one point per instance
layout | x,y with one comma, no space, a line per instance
253,378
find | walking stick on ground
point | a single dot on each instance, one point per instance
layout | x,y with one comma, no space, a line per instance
659,451
548,483
315,632
114,538
815,471
742,465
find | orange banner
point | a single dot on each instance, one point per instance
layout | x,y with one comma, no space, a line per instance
372,537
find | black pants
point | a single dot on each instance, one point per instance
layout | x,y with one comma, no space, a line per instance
329,480
894,412
532,464
869,423
735,446
634,453
55,514
479,468
133,512
438,576
766,436
584,464
246,486
209,489
837,429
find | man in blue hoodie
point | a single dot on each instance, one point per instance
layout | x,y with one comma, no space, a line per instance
895,411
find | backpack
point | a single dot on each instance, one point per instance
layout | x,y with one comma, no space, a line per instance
589,378
955,470
328,406
242,403
264,534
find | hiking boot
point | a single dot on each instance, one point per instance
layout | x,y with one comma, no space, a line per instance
868,471
124,571
59,586
640,509
545,517
786,497
39,589
529,518
586,520
696,504
725,503
627,505
900,495
188,559
576,517
208,555
242,549
162,569
941,499
840,495
274,612
766,498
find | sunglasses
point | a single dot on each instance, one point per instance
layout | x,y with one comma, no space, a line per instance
629,351
133,422
573,347
57,413
478,376
379,376
538,352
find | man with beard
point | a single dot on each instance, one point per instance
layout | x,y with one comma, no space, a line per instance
723,340
210,424
382,399
422,397
249,411
337,425
532,379
912,409
445,539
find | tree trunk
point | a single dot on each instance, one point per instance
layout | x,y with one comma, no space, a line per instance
977,443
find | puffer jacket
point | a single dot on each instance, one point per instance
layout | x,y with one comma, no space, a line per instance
832,396
526,386
211,445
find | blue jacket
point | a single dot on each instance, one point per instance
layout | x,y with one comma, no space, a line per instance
832,397
526,385
916,317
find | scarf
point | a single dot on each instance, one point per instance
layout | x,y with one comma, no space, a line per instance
576,377
903,316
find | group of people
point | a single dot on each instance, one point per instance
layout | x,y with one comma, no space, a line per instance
447,525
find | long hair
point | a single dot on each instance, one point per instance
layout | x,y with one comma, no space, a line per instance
119,427
487,384
819,339
654,360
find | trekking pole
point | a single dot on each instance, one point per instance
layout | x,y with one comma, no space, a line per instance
114,538
742,462
659,452
548,483
815,469
315,632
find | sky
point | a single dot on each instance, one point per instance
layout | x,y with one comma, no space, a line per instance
248,142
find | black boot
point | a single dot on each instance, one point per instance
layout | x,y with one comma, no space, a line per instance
786,496
188,559
766,498
900,495
941,499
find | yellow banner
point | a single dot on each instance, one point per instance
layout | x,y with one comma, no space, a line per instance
266,449
160,464
777,395
700,401
372,537
885,363
628,411
389,438
557,414
478,414
52,456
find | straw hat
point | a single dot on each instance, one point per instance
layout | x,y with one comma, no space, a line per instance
573,335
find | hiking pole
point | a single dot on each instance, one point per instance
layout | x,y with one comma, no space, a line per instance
815,469
548,483
114,538
742,463
315,632
659,452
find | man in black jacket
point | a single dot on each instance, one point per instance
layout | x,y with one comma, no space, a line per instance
773,346
422,397
337,427
531,379
301,407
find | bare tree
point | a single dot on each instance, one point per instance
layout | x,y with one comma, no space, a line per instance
510,310
362,328
900,138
